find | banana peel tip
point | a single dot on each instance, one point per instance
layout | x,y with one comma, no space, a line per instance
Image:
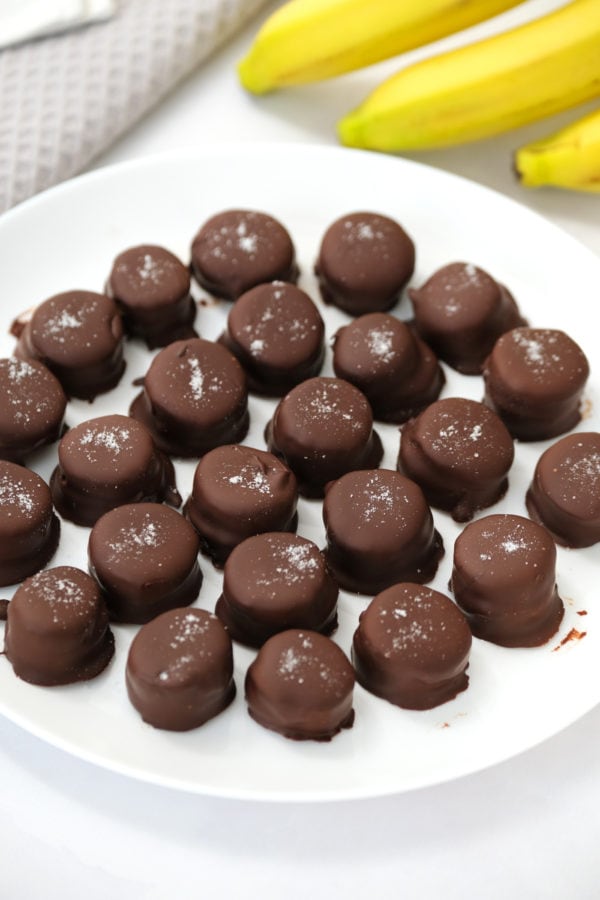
525,169
250,77
349,131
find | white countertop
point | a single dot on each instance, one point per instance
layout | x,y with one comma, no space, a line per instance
525,829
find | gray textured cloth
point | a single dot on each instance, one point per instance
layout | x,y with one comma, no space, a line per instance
64,99
23,20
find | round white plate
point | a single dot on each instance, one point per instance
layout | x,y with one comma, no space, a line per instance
68,237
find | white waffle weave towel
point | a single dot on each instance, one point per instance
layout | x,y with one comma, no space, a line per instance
64,99
21,20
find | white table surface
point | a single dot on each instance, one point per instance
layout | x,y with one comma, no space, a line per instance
526,829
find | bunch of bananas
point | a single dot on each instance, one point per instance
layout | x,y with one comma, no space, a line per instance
547,65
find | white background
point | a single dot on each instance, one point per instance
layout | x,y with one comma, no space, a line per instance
526,829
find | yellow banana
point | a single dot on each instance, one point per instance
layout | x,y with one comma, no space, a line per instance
308,40
532,71
570,158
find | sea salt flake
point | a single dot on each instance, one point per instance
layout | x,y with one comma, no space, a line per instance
62,321
251,478
289,662
248,244
378,499
110,438
196,381
588,468
15,494
380,344
187,629
295,563
300,557
511,546
148,269
18,370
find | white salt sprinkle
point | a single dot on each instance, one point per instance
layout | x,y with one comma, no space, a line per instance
252,478
380,344
196,381
114,439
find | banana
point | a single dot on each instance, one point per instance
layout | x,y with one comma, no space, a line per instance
482,89
308,40
570,158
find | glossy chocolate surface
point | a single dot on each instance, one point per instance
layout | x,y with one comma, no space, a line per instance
145,558
273,582
412,647
78,335
460,312
238,492
29,529
180,669
151,287
364,261
322,429
237,249
106,462
194,398
534,379
459,452
565,492
398,374
277,334
504,580
301,686
32,408
57,629
379,531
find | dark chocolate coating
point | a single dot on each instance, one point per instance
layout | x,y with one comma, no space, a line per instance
78,335
194,398
32,408
145,558
239,492
276,332
29,529
461,312
57,629
322,429
380,531
398,374
364,261
534,379
301,685
564,495
180,669
273,582
412,647
459,453
238,249
503,579
106,462
152,289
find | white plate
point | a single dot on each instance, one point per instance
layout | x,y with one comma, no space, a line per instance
68,237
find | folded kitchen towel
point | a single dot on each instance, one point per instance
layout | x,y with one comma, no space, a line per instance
65,98
21,20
